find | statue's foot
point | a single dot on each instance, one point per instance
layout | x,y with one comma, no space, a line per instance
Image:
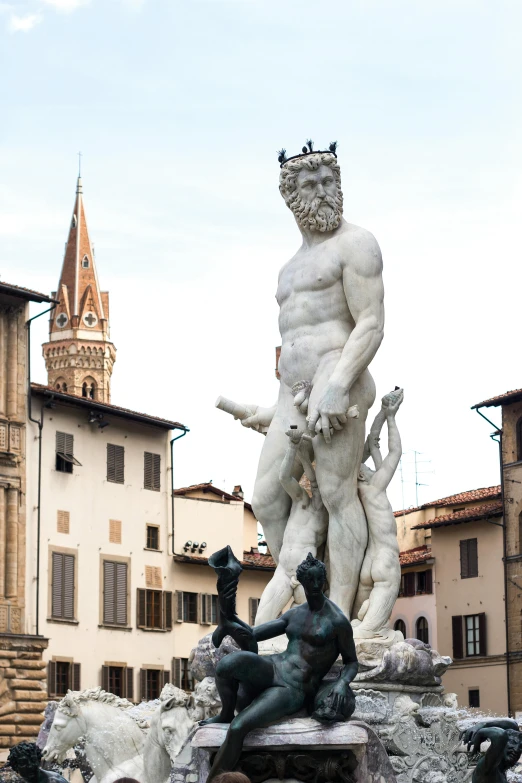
216,719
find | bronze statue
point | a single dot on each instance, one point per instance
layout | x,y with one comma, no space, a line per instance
266,688
25,759
503,753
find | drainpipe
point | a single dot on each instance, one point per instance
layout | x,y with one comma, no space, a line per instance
172,481
498,431
39,423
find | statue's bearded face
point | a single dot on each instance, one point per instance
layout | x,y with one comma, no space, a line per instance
311,187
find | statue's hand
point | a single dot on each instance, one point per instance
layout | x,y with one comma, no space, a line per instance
392,401
298,436
260,418
330,411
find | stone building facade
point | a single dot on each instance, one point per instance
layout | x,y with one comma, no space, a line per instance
510,437
22,677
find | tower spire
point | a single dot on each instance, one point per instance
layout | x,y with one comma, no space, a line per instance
79,355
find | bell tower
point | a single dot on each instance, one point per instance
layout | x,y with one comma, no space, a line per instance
79,355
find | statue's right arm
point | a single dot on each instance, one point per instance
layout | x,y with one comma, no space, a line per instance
498,738
271,629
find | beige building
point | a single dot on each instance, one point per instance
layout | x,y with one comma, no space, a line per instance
452,592
115,571
510,437
22,691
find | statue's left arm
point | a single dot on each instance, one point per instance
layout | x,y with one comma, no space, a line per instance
348,653
364,291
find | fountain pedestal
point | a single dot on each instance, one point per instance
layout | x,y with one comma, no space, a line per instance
296,749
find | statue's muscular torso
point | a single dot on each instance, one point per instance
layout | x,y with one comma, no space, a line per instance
314,319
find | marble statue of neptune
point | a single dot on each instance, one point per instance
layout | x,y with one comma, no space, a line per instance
331,320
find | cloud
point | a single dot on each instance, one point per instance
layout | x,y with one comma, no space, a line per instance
66,5
22,24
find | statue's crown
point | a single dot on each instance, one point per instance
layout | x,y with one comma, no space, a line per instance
308,149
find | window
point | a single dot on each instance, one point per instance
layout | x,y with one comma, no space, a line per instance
407,584
63,522
151,683
65,452
114,593
74,222
209,609
475,631
469,635
154,609
152,537
62,590
422,631
468,558
181,674
61,677
253,605
64,387
400,625
424,582
118,679
115,463
152,471
115,531
85,262
190,607
474,697
89,390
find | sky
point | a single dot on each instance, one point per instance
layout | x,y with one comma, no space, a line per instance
179,109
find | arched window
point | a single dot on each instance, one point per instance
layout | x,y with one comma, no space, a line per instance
64,387
85,262
519,440
84,390
58,387
92,391
422,630
74,222
400,625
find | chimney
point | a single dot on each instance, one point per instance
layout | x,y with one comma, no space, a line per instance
238,492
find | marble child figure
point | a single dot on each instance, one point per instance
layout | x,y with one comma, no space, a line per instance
305,531
331,320
381,572
266,688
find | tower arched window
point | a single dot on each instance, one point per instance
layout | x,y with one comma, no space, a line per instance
84,389
92,391
64,387
74,222
400,625
85,262
422,630
58,387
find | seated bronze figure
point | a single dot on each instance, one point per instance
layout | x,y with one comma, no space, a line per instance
503,753
264,689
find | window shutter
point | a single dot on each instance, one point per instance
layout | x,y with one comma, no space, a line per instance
472,557
464,560
176,672
129,683
51,679
76,676
105,678
253,603
68,588
482,634
121,593
62,522
179,606
167,610
57,585
147,478
166,677
141,605
143,685
429,581
111,471
109,580
156,471
65,443
458,641
199,602
409,584
206,609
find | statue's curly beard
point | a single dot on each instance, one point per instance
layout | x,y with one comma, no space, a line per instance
312,215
